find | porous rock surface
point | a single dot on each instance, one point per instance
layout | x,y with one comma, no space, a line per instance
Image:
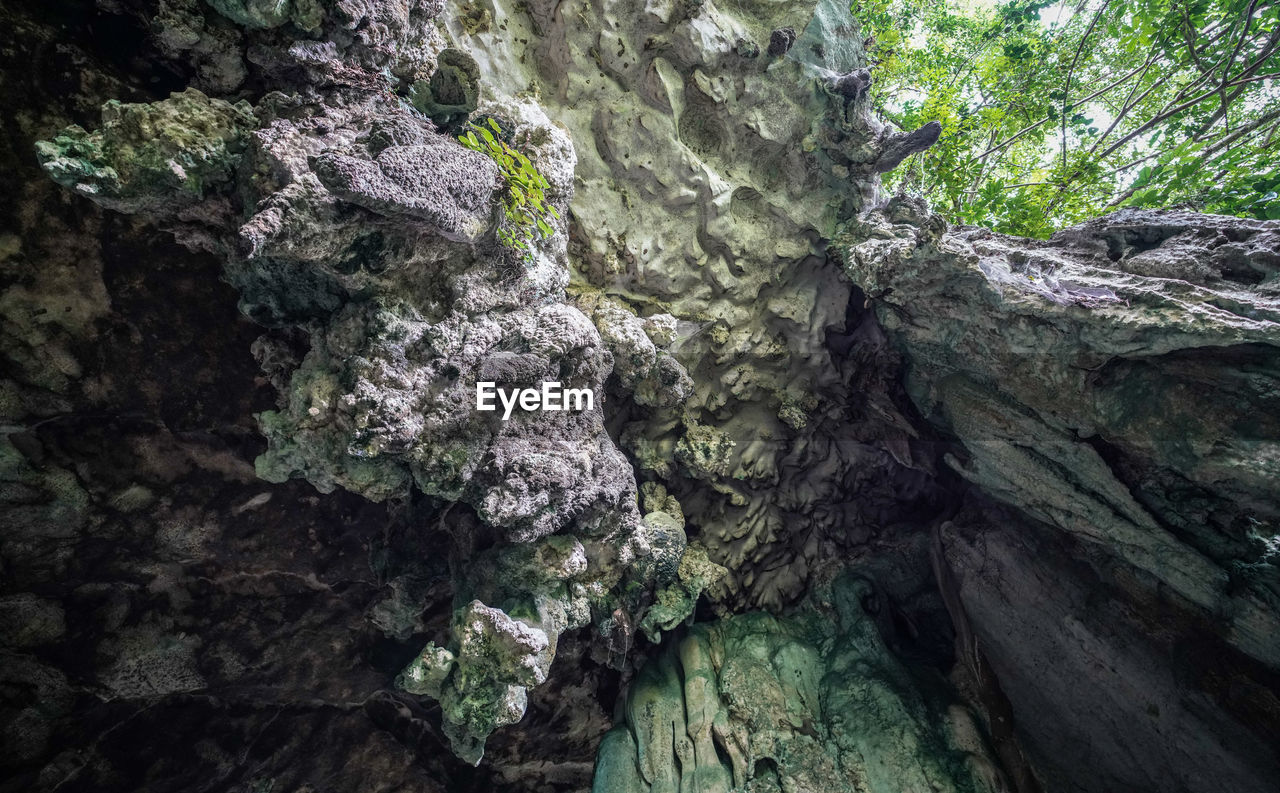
1048,464
710,175
343,212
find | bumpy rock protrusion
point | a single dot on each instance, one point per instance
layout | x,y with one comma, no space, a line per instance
708,182
812,702
641,360
780,41
156,158
343,212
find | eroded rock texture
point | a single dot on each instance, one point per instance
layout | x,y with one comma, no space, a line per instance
712,169
1117,383
814,702
1008,505
342,212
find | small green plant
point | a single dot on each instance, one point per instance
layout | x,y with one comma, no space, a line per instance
526,206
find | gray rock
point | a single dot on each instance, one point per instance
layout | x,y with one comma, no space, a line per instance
1116,383
374,236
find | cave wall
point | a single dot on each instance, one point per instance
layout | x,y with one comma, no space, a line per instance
1116,384
246,497
168,618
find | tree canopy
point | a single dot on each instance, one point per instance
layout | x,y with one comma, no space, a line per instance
1055,112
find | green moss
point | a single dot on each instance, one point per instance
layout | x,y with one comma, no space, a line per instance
528,213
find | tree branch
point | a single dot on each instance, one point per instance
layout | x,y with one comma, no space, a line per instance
1066,90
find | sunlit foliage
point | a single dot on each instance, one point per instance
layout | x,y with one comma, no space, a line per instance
1055,112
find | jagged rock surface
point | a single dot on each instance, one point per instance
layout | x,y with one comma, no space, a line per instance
1118,383
1115,618
349,215
713,166
171,622
813,702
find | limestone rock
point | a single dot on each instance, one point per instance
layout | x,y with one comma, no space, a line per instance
1045,611
442,184
813,702
728,280
152,158
707,184
1079,382
373,234
1116,383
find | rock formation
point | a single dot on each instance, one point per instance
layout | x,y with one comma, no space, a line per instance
862,502
711,172
1116,383
814,702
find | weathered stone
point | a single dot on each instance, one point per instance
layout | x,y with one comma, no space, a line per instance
814,702
453,91
707,184
780,41
1045,356
1115,382
154,158
757,397
306,14
376,234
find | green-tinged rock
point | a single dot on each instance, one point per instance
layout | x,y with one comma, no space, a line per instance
655,498
482,685
812,702
708,179
153,157
425,674
665,537
705,450
263,14
641,361
674,603
452,92
616,769
509,613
